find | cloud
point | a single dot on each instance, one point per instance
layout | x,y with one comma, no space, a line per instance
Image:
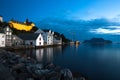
114,27
95,26
114,30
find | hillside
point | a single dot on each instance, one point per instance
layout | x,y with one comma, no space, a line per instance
97,41
16,31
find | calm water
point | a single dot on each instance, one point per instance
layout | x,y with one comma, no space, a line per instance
97,62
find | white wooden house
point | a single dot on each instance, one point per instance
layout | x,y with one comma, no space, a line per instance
33,39
43,34
57,40
50,37
8,38
2,40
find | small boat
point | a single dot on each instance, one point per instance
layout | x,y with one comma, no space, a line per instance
77,42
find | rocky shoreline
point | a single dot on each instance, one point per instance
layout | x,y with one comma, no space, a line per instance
14,67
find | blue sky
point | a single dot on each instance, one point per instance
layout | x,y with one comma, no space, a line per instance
99,18
36,10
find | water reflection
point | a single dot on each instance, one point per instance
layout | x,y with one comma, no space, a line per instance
77,46
49,54
46,55
39,54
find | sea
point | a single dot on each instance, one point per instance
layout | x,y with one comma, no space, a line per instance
96,62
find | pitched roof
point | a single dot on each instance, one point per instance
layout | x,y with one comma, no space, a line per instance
39,31
28,36
7,27
16,37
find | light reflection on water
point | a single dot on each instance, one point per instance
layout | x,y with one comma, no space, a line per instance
39,54
97,62
44,55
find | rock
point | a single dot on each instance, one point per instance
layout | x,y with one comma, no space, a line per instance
41,72
29,69
29,79
79,76
50,66
23,76
38,66
18,66
5,73
53,75
66,74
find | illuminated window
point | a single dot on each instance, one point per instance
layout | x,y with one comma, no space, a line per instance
7,33
10,33
7,29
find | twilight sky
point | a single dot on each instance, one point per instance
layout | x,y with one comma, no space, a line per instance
93,18
36,10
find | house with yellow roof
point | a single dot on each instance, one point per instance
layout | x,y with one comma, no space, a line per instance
27,26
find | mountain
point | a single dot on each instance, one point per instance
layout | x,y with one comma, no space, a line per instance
97,41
